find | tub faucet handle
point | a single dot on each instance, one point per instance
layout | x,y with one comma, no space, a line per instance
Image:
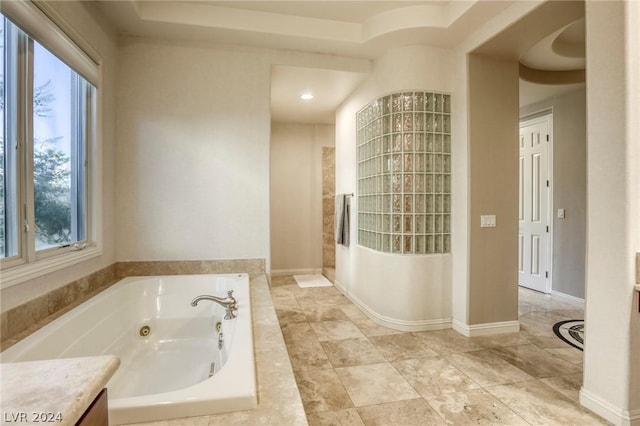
233,303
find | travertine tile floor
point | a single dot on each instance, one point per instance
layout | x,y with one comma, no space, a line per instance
351,371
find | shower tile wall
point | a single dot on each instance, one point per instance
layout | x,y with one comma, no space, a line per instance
404,173
328,208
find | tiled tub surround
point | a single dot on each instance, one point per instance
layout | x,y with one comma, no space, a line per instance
351,371
279,401
253,267
404,173
20,321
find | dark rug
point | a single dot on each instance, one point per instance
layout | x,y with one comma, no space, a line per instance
571,332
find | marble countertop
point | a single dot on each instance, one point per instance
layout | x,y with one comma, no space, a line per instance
56,391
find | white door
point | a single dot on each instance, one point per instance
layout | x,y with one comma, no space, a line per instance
534,204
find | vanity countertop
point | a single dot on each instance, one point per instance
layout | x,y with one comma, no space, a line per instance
54,392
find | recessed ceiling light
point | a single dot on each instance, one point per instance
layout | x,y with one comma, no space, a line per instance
306,96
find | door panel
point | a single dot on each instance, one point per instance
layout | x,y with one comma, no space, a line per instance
521,253
521,193
535,188
533,241
534,262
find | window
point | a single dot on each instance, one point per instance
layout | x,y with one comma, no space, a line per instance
46,133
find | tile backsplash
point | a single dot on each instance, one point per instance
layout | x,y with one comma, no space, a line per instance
253,267
17,323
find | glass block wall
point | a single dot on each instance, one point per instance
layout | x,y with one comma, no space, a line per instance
404,173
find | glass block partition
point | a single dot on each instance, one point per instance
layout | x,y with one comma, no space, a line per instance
404,173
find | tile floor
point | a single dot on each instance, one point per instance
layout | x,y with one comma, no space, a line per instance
351,371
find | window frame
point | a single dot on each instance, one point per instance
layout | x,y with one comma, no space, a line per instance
30,263
13,166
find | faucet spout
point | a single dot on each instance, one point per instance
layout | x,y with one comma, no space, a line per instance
229,303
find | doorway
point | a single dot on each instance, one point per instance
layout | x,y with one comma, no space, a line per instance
535,203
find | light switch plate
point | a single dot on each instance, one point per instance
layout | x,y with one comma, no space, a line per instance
488,221
560,213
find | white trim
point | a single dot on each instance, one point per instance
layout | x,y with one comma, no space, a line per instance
608,411
550,205
485,329
25,272
567,298
280,272
45,26
393,323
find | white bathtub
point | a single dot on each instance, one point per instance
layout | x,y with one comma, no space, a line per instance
165,374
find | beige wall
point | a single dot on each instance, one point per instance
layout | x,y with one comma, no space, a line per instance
477,297
194,147
296,196
569,184
93,30
493,190
612,351
462,220
193,152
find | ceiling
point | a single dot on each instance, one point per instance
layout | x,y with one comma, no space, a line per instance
549,43
562,50
360,29
531,93
347,11
328,87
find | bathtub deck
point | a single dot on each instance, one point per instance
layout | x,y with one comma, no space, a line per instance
279,401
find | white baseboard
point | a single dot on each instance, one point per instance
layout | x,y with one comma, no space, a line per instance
567,298
607,411
485,329
393,323
280,272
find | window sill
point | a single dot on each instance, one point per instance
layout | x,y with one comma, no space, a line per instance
19,274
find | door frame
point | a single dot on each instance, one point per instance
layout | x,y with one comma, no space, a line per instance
546,114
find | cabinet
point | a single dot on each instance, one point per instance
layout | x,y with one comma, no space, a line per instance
97,414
